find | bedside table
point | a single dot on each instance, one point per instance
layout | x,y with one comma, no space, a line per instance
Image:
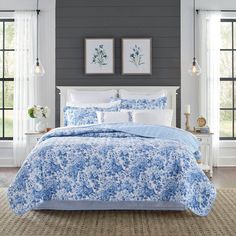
32,138
206,151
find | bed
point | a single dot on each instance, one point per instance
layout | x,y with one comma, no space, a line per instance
113,167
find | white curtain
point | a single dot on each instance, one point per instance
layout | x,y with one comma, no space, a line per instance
209,82
25,85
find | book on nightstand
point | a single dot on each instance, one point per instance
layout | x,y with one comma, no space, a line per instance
202,130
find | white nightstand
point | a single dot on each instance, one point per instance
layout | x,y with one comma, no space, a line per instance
32,138
206,150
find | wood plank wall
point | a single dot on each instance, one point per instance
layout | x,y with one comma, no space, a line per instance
78,19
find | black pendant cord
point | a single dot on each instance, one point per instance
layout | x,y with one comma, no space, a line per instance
194,31
37,50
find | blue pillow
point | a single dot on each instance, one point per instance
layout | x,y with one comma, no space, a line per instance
143,104
74,116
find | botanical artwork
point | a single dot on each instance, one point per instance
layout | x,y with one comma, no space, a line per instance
136,56
99,56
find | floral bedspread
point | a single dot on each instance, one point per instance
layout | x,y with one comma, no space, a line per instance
113,163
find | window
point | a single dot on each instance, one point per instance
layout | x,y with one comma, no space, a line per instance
7,67
228,80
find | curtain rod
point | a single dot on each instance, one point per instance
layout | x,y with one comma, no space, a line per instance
15,10
215,10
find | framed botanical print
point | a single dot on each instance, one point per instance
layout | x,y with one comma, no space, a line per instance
137,56
99,56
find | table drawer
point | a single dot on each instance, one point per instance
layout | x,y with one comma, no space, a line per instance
203,140
34,139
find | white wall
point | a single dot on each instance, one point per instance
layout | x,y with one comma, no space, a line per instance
47,57
46,46
216,4
189,86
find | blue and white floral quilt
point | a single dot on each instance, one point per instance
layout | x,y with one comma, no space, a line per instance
119,162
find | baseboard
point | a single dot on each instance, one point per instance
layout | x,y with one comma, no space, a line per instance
226,161
7,162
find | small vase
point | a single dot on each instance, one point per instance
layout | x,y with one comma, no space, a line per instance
40,125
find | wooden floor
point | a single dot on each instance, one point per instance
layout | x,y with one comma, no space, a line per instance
7,175
224,177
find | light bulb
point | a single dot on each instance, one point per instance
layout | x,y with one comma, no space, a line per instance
38,69
195,69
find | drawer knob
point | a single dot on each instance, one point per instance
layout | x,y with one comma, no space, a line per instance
199,139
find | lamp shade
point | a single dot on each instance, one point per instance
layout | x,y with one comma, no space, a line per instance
38,69
195,69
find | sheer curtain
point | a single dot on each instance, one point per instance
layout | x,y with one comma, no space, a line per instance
209,82
25,85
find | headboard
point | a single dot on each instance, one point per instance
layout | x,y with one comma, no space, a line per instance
171,95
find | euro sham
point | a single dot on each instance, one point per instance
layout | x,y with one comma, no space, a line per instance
74,116
153,117
126,94
142,104
85,97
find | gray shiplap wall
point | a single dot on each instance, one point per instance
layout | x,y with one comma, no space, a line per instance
78,19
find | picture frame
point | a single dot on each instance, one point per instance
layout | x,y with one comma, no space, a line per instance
99,56
136,56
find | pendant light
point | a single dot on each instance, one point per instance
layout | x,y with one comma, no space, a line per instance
38,69
195,69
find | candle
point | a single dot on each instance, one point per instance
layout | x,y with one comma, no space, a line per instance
188,109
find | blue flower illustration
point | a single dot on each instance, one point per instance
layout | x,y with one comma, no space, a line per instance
100,56
136,57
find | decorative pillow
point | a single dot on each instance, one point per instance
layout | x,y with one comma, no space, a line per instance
153,117
143,104
114,117
85,97
74,116
125,94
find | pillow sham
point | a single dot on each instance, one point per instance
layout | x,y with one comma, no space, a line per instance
125,94
153,117
143,104
74,116
114,117
86,105
85,97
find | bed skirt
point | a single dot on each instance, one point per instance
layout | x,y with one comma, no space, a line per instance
110,205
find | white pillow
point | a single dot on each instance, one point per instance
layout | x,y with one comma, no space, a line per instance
113,117
153,117
99,105
125,94
87,97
